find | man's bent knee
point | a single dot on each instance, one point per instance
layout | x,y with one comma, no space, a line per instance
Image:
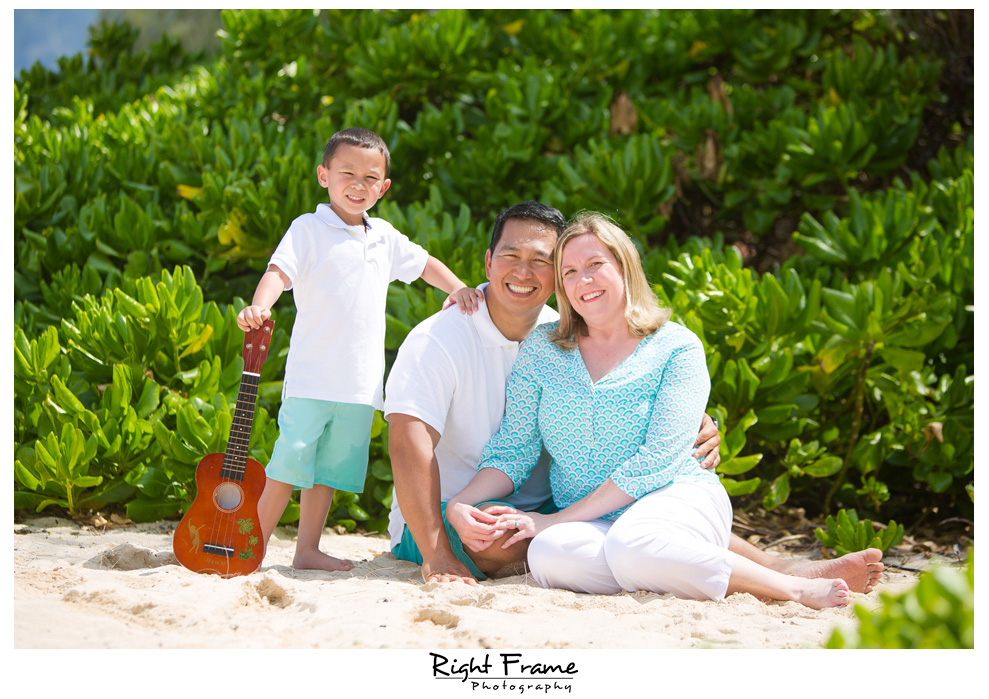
494,559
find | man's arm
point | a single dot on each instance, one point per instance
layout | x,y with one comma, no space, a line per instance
412,444
708,441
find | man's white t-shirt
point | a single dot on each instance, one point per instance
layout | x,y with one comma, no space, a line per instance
339,276
451,373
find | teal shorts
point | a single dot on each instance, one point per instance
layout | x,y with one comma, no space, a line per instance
321,442
408,550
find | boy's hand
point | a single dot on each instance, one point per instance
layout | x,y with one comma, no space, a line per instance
466,298
252,317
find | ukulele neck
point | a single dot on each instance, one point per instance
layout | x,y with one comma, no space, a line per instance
235,458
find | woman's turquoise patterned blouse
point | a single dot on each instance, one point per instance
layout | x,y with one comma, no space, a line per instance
636,426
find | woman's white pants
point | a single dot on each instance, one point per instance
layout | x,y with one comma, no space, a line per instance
673,540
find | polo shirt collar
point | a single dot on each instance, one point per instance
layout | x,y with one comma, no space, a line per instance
328,216
486,329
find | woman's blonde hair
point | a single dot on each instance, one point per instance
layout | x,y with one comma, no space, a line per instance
642,311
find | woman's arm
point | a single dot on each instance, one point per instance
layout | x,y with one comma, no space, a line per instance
606,498
672,430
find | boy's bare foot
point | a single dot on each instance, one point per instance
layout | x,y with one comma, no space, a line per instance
861,570
317,560
818,594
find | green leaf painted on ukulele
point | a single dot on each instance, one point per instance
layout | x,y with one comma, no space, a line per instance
245,526
246,554
253,541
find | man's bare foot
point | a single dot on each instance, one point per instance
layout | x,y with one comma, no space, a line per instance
861,570
317,560
818,594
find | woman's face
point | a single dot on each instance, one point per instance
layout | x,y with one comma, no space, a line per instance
592,280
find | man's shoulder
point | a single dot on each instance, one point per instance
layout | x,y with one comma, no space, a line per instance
548,314
446,326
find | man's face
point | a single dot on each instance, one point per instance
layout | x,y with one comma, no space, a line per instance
520,270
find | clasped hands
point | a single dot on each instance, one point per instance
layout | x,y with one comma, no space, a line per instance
479,529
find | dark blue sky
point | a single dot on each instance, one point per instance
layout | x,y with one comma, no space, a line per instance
44,35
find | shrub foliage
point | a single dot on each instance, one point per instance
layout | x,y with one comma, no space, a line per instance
763,161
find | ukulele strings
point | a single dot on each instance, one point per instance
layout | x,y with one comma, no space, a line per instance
235,458
238,443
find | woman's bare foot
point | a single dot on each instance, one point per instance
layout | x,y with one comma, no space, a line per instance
818,594
861,570
317,560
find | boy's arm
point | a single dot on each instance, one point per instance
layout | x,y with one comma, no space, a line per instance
272,284
439,275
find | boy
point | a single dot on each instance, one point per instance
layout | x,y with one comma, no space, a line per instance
338,262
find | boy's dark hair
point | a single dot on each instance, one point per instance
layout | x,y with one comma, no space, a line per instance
527,211
362,138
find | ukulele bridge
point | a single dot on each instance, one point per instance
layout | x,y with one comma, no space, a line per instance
225,551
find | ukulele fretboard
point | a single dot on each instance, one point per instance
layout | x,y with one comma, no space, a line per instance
240,431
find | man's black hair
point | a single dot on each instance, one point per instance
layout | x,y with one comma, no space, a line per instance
527,211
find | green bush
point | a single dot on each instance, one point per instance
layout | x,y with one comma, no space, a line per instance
150,188
845,533
939,612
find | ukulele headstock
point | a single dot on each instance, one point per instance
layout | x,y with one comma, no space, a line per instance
256,344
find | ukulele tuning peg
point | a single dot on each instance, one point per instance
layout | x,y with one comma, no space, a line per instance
263,348
250,346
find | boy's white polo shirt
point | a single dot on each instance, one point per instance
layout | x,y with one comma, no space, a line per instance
451,372
339,277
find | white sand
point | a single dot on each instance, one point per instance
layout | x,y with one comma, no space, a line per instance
79,587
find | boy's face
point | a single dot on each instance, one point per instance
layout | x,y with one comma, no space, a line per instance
355,180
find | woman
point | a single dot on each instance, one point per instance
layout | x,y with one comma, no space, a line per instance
614,392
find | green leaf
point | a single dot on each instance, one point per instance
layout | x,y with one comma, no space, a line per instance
24,500
151,511
826,466
779,491
739,464
148,401
198,342
738,488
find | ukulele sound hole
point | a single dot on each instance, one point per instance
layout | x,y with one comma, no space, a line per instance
228,496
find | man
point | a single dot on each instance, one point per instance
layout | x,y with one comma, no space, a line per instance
445,397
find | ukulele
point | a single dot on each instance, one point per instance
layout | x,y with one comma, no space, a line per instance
220,533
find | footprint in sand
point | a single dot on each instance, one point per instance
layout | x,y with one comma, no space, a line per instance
274,593
130,557
440,617
480,600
